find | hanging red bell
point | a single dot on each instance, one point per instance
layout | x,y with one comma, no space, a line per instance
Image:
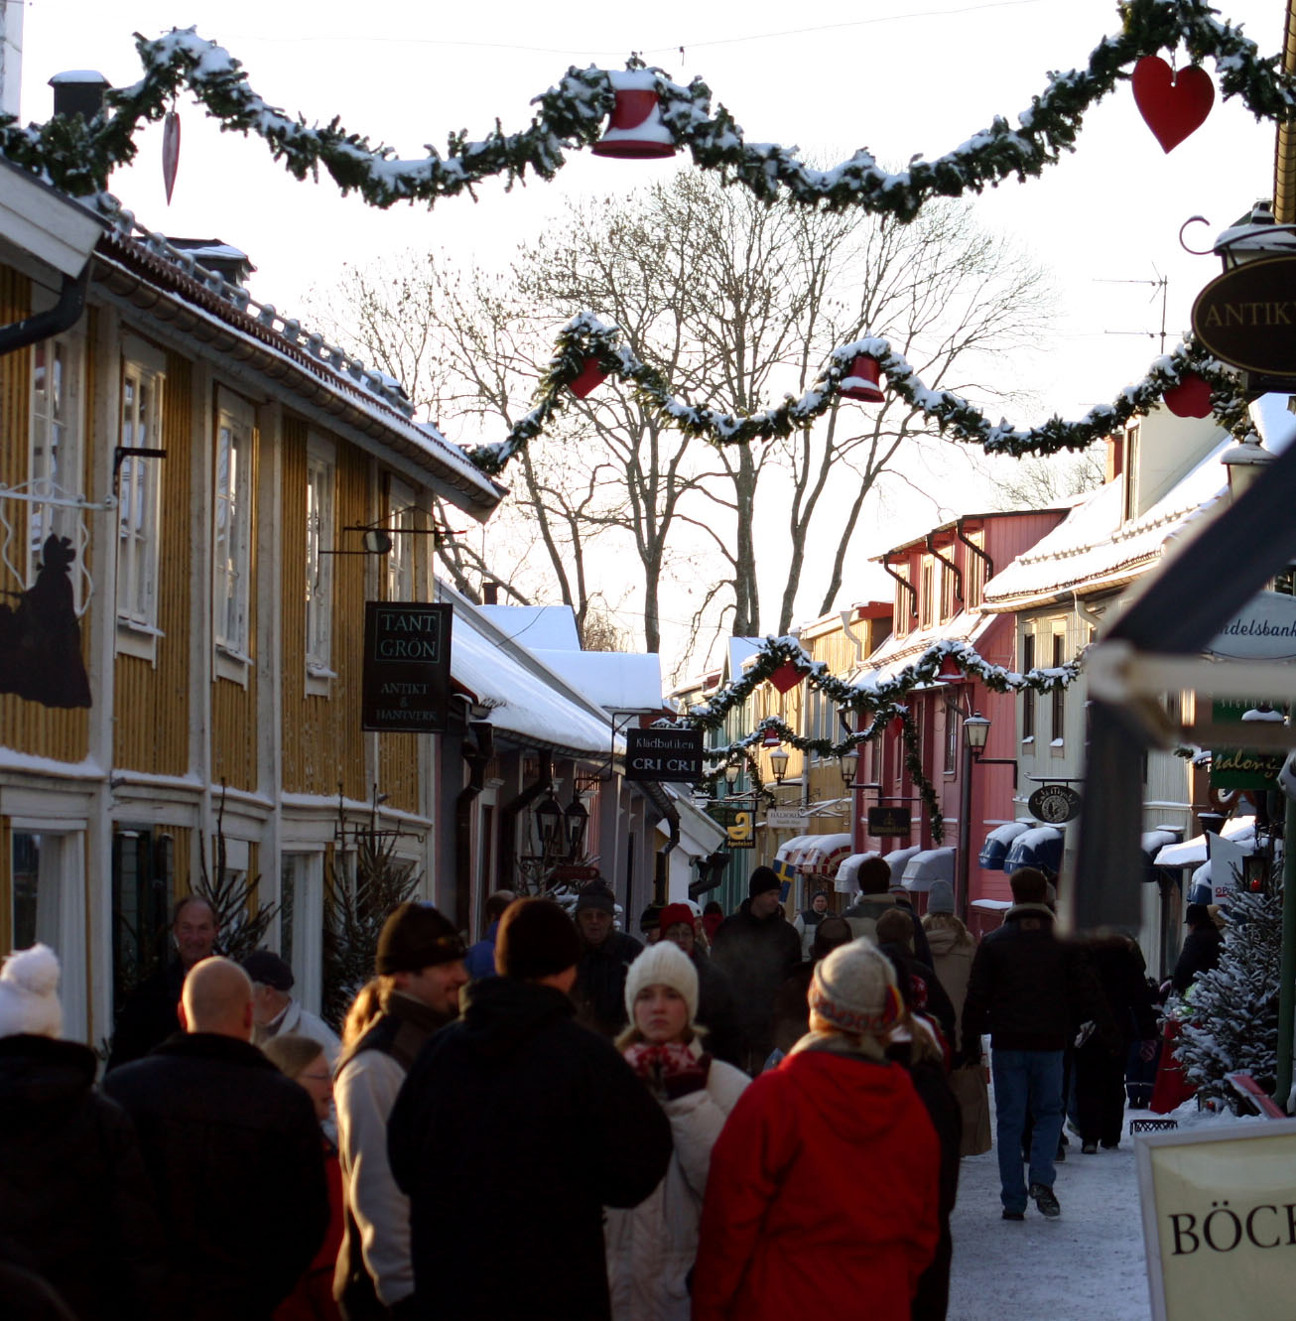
861,382
786,677
635,129
590,378
1190,398
949,671
771,739
1173,105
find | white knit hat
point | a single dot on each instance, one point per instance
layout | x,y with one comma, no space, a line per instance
29,993
663,964
854,989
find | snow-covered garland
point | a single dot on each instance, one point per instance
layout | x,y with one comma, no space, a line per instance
77,157
585,338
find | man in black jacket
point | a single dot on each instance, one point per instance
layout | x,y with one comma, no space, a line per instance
1032,992
757,948
1201,948
515,1128
605,957
234,1151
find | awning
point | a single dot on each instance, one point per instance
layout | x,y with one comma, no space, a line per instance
823,854
1041,847
1153,842
790,850
1192,852
898,860
928,866
992,905
846,880
998,842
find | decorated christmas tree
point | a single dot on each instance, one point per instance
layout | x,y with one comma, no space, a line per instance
1231,1013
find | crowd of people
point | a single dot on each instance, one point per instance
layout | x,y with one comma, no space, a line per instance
561,1121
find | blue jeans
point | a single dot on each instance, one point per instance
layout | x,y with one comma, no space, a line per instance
1026,1078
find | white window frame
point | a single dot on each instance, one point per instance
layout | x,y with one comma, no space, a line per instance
56,453
139,525
232,497
402,580
321,485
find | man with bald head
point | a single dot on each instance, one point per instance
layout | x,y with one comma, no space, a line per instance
234,1152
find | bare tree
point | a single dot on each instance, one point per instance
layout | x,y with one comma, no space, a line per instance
1041,483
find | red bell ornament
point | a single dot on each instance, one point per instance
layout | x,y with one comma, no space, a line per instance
786,677
590,378
1190,398
635,129
861,382
949,671
1172,104
771,739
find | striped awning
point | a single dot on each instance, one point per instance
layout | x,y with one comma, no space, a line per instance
823,854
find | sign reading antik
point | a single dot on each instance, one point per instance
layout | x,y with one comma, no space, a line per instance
1247,316
406,667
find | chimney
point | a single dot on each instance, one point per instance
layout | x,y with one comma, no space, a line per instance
78,92
490,593
11,42
231,264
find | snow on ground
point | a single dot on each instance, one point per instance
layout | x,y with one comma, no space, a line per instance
1087,1264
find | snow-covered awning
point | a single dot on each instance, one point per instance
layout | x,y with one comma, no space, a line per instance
846,881
898,860
823,854
1039,847
1192,852
997,843
927,866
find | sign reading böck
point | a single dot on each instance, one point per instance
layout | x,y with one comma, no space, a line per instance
406,667
673,755
1247,316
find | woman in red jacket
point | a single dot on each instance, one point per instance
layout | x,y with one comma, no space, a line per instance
823,1196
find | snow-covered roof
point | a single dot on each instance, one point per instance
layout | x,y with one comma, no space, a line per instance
551,627
741,650
898,651
625,682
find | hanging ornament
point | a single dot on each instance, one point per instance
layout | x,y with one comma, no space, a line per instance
786,677
772,739
949,671
635,130
1190,398
590,378
170,151
1172,104
862,381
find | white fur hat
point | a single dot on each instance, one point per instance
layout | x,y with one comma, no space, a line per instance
29,999
663,964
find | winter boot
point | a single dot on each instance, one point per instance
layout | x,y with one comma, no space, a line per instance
1045,1202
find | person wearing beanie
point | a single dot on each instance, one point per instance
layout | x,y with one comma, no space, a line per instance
420,971
715,1010
233,1150
1201,948
757,948
651,1248
952,948
1032,992
605,956
650,924
518,1115
835,1117
275,1011
78,1206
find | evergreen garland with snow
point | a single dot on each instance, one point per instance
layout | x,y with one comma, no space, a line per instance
1230,1017
586,340
78,157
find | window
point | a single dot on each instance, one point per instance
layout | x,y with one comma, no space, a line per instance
48,904
139,513
1059,694
926,602
952,726
232,557
947,592
400,563
1131,469
1028,694
319,565
904,601
974,572
54,448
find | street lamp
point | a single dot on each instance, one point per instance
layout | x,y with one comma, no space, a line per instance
575,823
976,729
848,764
549,822
779,764
731,776
1245,463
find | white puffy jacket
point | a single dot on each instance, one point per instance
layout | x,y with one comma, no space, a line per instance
651,1248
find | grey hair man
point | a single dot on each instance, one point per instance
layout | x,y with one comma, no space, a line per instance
274,1010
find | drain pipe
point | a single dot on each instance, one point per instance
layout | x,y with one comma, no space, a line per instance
43,325
477,752
906,584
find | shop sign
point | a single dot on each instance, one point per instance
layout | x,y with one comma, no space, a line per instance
884,821
1054,804
1219,1221
741,831
1264,629
666,755
786,818
1241,768
1247,316
406,677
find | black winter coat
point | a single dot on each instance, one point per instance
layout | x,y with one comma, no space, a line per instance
76,1206
716,1011
234,1151
600,982
1028,988
1122,977
149,1015
757,955
514,1129
1200,953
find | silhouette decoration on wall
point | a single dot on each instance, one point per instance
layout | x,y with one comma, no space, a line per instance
40,638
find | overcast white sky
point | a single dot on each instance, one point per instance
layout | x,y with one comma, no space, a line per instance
900,77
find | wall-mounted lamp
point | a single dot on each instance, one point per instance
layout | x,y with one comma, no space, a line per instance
778,764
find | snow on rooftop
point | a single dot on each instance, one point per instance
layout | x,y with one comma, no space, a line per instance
549,627
1274,421
619,681
897,650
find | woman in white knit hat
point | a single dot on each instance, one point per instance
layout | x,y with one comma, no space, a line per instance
651,1249
823,1196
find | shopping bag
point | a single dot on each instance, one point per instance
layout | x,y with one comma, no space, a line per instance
969,1087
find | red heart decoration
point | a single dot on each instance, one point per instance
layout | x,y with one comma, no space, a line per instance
1190,398
1172,104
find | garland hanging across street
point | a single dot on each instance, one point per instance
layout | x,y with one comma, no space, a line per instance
586,340
77,157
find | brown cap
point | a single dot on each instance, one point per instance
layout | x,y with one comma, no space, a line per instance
535,939
416,936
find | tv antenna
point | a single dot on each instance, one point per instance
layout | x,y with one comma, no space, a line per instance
1160,285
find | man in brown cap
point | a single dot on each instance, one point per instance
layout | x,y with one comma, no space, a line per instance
420,971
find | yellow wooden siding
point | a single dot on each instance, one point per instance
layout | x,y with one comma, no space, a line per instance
234,707
28,726
323,744
151,731
6,882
